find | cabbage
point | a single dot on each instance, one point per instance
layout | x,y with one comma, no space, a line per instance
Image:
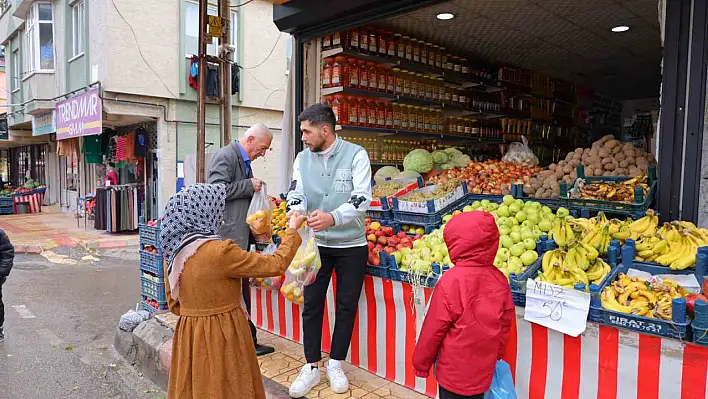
440,157
452,152
448,166
408,174
461,160
418,160
384,173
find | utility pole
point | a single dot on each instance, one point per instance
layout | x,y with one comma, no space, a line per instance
225,72
201,91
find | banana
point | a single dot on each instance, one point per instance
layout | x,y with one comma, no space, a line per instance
687,225
610,302
673,254
592,253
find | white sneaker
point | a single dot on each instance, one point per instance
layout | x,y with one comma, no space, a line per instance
308,378
337,380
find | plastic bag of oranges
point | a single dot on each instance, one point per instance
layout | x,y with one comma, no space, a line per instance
268,283
260,213
303,269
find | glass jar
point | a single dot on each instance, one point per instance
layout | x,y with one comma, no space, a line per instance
475,127
416,50
337,108
450,63
390,80
456,64
373,41
337,39
339,71
327,73
388,107
371,112
463,97
434,89
400,46
396,108
455,96
362,112
383,43
429,88
424,52
327,42
352,40
404,116
372,72
447,94
443,58
352,79
439,50
405,75
468,127
398,81
391,44
465,67
427,120
353,114
409,48
431,54
363,75
381,76
420,116
413,77
364,39
380,113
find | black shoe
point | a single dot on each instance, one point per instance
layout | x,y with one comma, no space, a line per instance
262,350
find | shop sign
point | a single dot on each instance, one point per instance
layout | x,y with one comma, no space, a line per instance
4,132
80,115
44,124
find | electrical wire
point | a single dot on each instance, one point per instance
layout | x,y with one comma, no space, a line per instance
269,54
242,4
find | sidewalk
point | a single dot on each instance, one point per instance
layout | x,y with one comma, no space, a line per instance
37,232
149,347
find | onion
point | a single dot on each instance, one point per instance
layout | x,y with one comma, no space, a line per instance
691,301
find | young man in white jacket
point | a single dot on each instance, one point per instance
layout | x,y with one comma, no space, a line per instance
332,184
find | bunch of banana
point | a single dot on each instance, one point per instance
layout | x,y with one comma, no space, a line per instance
633,295
683,244
599,239
646,226
562,233
580,264
619,230
622,192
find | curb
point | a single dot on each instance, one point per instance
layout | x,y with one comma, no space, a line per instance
28,249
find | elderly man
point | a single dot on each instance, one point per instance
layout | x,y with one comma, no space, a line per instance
231,166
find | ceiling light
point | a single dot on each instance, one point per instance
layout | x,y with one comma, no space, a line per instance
445,16
621,28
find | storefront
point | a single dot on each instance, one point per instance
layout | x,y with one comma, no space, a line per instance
477,76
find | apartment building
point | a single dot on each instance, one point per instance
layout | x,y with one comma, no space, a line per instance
135,56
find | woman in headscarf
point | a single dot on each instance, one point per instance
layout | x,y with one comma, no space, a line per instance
212,353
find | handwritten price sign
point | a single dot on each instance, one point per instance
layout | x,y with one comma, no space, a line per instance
555,307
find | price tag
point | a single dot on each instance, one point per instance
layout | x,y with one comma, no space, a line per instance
558,308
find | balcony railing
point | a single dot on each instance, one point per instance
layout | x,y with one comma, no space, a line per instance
4,6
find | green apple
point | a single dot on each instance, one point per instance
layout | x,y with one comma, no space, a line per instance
506,241
504,230
516,249
528,257
546,209
529,243
446,218
514,208
467,208
562,212
503,211
508,200
515,236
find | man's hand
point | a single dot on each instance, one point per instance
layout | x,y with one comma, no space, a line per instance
320,221
257,185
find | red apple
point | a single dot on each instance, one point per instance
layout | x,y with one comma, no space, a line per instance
389,250
380,233
370,245
368,221
383,240
401,234
394,241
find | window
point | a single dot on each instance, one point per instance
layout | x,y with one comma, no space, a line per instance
77,29
192,30
288,54
39,38
15,71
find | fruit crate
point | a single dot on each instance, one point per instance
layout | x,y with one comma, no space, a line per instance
700,269
398,275
677,328
7,210
154,289
635,209
517,191
517,283
151,263
147,306
7,202
429,228
380,215
149,235
451,199
380,208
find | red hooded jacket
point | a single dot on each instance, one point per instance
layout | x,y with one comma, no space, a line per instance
468,321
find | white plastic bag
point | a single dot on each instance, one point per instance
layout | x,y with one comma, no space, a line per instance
303,269
268,283
521,154
260,214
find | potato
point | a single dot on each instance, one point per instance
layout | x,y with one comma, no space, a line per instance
540,192
528,190
634,172
567,169
589,172
610,144
615,150
623,164
573,175
631,161
552,166
559,173
562,163
604,153
621,171
577,156
569,156
598,171
620,157
606,173
609,166
606,161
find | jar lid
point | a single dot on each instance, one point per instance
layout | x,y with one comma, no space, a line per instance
397,34
363,62
406,37
329,59
340,58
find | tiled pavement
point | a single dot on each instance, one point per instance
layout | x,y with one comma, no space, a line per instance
283,366
37,232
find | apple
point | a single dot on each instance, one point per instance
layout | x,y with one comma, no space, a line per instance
375,226
508,200
467,209
503,211
401,234
370,245
529,243
528,257
397,256
504,231
383,240
372,237
506,241
517,249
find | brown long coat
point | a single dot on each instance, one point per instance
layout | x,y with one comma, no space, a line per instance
212,354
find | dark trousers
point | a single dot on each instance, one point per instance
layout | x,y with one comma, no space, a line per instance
246,288
445,394
2,305
349,264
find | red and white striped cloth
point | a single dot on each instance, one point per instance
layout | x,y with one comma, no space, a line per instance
603,363
35,201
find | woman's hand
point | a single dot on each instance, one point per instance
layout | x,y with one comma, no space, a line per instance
296,220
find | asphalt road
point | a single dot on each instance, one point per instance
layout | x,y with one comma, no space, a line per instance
61,314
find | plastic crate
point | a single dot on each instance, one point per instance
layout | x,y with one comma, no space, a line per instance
429,228
152,263
149,235
636,209
700,269
153,289
378,271
427,281
677,329
149,308
7,210
382,215
7,202
455,198
700,335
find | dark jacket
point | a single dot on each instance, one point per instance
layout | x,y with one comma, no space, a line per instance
467,325
228,168
7,256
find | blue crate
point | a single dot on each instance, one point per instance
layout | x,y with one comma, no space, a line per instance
152,263
149,235
700,335
7,202
398,275
153,289
429,228
381,215
700,269
7,210
378,271
149,308
677,329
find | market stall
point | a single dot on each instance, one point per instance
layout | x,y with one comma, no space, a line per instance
604,362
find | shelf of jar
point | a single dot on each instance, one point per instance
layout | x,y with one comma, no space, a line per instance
364,131
448,76
448,109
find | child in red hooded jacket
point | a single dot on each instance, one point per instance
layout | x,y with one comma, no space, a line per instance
470,313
